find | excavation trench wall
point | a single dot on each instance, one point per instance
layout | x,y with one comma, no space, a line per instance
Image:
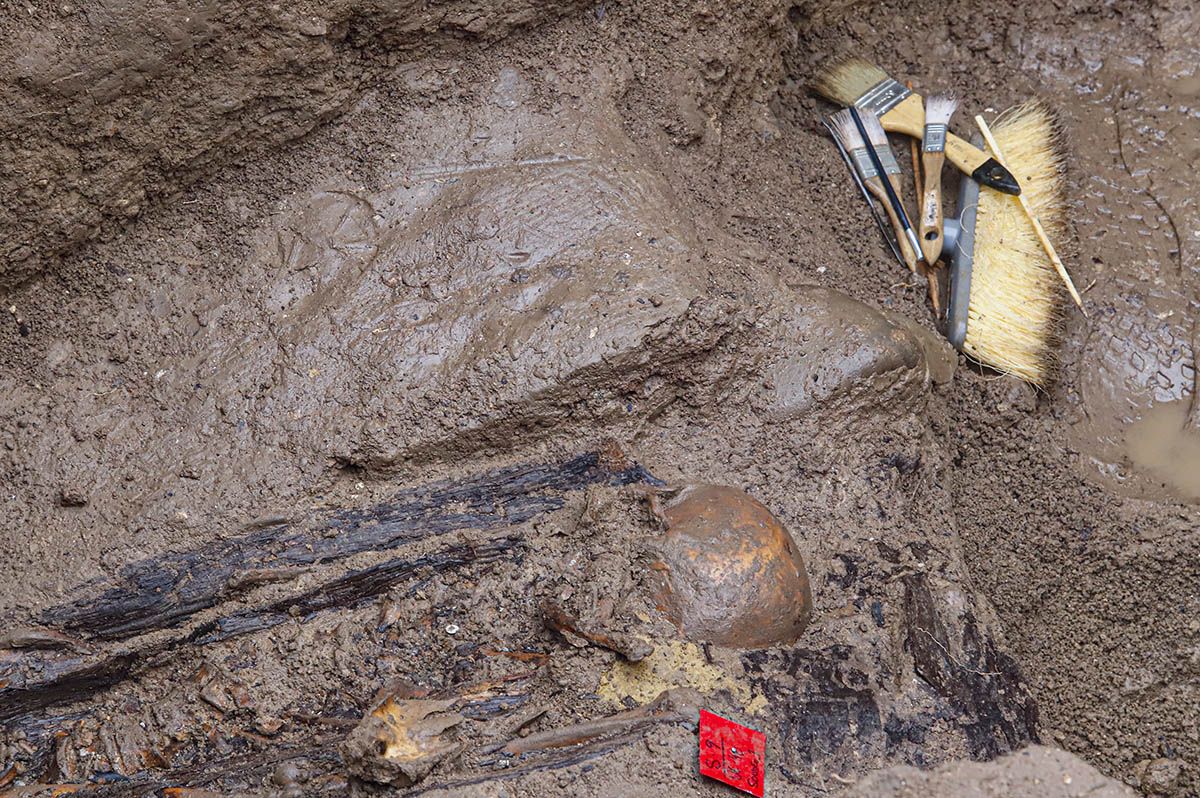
271,263
110,106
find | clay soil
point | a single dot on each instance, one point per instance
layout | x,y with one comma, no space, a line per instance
264,267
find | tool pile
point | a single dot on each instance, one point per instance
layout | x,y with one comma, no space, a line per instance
1004,301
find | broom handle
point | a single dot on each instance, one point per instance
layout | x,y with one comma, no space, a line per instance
1037,226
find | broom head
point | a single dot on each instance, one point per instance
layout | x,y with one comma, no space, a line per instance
1014,316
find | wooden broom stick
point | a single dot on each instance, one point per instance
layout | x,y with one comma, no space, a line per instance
1037,226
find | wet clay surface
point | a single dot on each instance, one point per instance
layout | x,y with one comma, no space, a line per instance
528,230
1033,771
114,104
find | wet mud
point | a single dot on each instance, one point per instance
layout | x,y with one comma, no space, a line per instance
356,355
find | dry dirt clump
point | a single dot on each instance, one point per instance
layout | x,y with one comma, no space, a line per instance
338,456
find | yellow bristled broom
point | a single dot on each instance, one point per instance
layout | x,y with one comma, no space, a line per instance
1005,307
1006,295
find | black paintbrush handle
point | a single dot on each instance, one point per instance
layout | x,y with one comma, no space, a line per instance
883,231
886,180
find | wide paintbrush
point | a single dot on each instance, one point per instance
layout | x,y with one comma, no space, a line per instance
848,135
859,83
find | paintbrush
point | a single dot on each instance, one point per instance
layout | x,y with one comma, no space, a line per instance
884,159
871,170
855,82
879,140
862,189
938,110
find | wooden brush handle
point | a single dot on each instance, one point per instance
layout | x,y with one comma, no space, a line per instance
875,186
964,155
908,117
930,223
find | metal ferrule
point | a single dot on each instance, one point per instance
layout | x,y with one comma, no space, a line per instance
888,159
883,96
935,138
862,162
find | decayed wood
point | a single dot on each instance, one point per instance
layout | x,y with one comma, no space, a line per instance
570,745
247,770
984,687
677,705
42,680
560,758
165,592
352,590
250,770
629,647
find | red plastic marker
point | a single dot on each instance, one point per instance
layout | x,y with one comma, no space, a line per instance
732,753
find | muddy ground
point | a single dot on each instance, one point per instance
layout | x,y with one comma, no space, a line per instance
271,267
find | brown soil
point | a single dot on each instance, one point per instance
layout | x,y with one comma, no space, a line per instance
268,264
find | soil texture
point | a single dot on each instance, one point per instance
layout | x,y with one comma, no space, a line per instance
355,355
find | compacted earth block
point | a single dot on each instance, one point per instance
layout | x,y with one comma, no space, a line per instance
456,398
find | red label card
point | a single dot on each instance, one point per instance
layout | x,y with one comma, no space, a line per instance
731,753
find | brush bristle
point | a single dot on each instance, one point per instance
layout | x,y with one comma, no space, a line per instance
846,80
1014,316
846,131
874,128
939,108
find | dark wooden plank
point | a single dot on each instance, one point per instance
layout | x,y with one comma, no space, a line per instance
353,589
166,591
43,679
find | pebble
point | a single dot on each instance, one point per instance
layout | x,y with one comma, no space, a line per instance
286,774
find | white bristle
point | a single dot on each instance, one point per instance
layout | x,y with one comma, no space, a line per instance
847,80
939,108
846,132
874,129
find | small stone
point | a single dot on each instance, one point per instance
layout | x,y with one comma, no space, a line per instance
1159,776
286,774
72,496
313,26
268,726
215,696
